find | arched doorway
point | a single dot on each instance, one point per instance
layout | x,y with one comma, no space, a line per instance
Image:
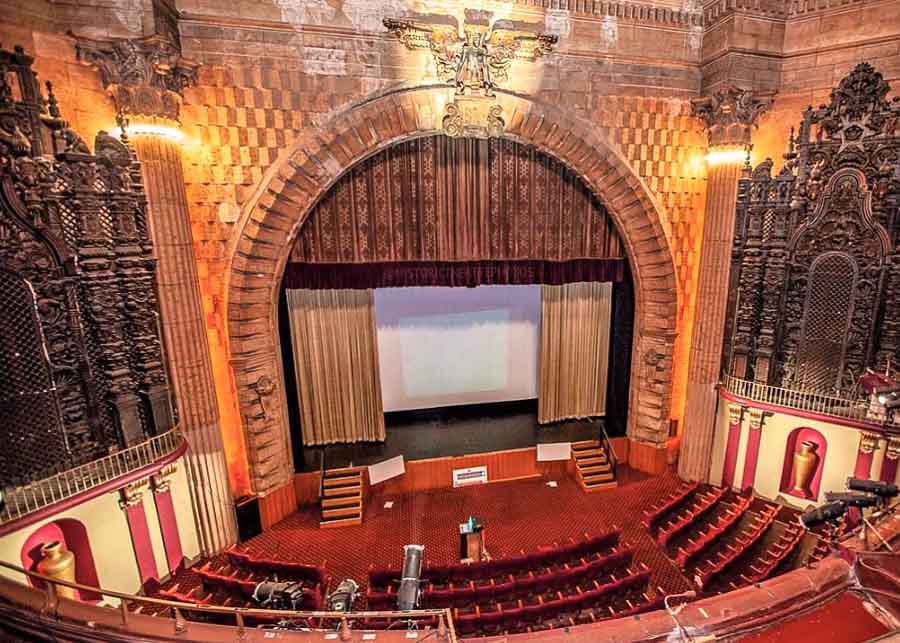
321,155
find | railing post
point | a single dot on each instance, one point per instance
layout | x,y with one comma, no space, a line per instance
123,610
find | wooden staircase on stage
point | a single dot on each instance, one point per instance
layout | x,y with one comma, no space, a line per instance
592,466
342,497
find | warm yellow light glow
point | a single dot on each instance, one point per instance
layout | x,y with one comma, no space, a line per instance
728,155
152,129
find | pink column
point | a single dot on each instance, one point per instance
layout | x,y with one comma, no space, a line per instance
868,443
735,411
168,523
757,417
133,504
891,458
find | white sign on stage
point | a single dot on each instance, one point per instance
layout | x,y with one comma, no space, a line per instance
554,451
381,471
469,475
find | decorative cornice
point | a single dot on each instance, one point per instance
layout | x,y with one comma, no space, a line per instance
731,113
718,10
145,76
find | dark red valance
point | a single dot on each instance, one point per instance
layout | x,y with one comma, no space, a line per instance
404,274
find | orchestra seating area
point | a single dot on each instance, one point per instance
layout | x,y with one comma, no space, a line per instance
583,560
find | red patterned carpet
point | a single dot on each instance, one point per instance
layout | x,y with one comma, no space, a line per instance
520,516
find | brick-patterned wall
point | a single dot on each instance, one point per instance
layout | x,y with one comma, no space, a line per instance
271,68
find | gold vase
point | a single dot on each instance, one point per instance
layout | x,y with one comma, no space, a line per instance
806,460
59,563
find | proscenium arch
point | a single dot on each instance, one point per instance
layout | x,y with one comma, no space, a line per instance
322,153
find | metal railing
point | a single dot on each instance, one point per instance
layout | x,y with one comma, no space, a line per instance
26,499
840,407
444,632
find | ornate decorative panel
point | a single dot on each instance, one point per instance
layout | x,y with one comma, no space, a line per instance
815,261
442,199
81,344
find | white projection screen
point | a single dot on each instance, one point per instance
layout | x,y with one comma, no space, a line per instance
449,346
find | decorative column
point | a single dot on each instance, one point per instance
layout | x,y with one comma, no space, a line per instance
735,414
132,503
891,458
757,419
145,78
168,523
729,115
868,444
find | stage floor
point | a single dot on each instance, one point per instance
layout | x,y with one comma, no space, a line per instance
520,516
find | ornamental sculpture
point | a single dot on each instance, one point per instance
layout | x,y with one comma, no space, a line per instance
473,58
731,113
815,294
145,76
77,290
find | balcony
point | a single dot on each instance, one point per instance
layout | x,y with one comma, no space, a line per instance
29,499
858,412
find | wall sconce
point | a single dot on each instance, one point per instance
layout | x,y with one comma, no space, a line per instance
149,128
726,155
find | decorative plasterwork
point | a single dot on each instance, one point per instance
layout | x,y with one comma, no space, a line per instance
145,76
859,109
133,494
473,58
757,418
162,478
893,449
730,114
868,443
735,412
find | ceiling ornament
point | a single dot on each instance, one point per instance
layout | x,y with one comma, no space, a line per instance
146,77
730,114
474,58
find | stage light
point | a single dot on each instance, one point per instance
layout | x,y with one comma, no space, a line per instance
825,513
342,598
728,155
852,499
279,596
881,489
408,594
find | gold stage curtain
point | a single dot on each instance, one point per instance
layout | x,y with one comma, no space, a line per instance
336,360
574,358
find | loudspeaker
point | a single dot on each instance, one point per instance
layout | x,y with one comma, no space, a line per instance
249,522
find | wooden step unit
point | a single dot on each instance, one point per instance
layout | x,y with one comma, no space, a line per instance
342,497
592,467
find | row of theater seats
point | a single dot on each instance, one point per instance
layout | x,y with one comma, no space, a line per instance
511,588
616,599
738,545
446,575
775,554
282,570
234,583
730,514
700,503
670,503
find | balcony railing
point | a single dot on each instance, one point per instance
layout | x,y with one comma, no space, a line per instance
173,622
32,497
839,407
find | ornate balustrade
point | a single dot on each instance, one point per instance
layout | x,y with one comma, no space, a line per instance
838,407
27,499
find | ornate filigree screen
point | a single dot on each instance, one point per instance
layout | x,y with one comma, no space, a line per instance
815,292
83,369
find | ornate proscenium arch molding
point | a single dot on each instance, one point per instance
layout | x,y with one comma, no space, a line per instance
321,154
